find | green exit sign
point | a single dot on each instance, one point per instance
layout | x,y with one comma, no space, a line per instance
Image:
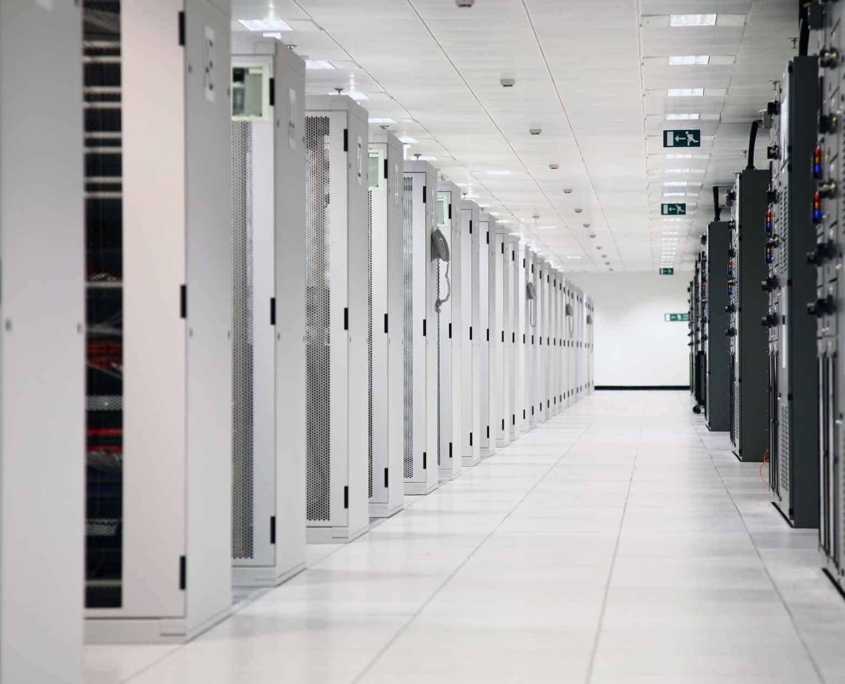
673,209
667,271
676,318
684,138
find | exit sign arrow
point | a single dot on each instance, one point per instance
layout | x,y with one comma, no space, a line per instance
673,209
684,138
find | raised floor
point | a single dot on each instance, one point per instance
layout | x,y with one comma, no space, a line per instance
620,542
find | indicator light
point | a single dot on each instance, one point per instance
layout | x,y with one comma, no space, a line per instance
817,162
817,208
769,221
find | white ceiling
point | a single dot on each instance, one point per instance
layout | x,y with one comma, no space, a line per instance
593,75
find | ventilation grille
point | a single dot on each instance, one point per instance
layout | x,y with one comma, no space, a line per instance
318,309
783,450
370,338
783,230
242,343
408,324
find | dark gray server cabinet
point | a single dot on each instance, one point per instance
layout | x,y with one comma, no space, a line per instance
791,284
748,305
716,321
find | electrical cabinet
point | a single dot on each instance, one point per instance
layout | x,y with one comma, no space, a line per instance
420,350
450,323
337,311
503,296
512,343
164,482
825,209
385,297
791,284
748,304
715,322
268,353
468,334
486,323
42,343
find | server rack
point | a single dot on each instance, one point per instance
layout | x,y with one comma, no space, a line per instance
504,295
591,345
696,330
791,284
385,326
748,304
530,332
541,330
580,326
468,337
449,325
268,174
42,377
336,274
487,323
716,321
557,345
176,255
830,289
521,397
512,342
420,350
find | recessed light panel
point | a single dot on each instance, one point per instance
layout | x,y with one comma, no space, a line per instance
318,65
685,92
678,20
682,117
687,60
264,25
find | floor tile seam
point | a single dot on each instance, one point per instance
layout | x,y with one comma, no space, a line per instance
382,651
594,653
769,576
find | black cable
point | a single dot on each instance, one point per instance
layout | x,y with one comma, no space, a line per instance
752,141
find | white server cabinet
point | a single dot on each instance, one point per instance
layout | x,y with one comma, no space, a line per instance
556,342
541,362
563,375
468,334
517,314
385,325
579,344
530,332
551,288
336,274
175,486
42,346
487,331
569,333
420,351
503,296
591,339
268,240
448,327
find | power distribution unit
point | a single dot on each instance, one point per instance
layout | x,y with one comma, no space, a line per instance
268,240
748,303
385,297
528,338
825,210
715,321
337,312
170,350
450,323
486,323
420,350
501,371
512,342
42,345
468,337
791,284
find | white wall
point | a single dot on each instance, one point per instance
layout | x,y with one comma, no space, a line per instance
634,346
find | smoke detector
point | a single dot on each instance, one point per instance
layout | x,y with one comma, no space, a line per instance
507,82
578,210
567,191
535,131
554,167
593,236
586,225
465,3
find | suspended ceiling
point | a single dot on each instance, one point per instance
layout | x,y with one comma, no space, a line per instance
595,78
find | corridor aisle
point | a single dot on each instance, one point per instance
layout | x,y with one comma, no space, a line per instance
620,542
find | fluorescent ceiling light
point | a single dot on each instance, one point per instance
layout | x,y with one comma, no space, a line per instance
692,20
678,156
381,120
671,232
573,257
674,194
685,92
408,140
499,172
675,184
424,157
682,117
318,64
272,34
684,60
676,170
546,227
495,213
264,25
